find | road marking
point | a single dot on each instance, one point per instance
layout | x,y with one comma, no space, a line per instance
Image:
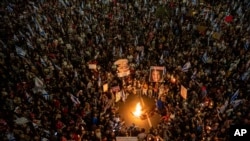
143,104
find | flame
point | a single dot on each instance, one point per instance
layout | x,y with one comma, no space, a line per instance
138,110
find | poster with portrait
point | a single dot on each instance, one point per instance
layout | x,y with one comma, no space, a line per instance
122,67
157,74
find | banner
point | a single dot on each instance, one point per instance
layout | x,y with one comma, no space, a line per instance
157,74
183,92
122,67
105,87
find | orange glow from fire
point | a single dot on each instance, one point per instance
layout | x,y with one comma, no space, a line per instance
138,110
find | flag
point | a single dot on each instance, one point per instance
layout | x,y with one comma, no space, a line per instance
223,107
244,76
183,92
3,44
63,3
38,82
114,51
97,54
142,54
9,8
82,5
120,52
28,42
137,59
57,67
207,15
74,99
136,41
75,74
194,75
246,46
37,26
38,85
186,67
182,19
21,34
234,97
99,80
204,57
45,94
236,103
28,97
20,52
42,32
162,59
15,38
43,62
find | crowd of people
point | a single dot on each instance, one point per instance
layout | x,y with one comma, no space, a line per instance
48,91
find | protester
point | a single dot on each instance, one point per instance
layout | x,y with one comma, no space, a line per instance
48,91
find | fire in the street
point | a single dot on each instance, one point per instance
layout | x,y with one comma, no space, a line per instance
138,110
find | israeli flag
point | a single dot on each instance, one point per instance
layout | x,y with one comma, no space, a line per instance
142,54
162,59
28,42
136,41
82,5
120,52
207,15
21,34
246,46
63,3
30,30
20,52
114,51
186,67
235,95
75,74
223,107
43,62
194,75
97,54
45,94
99,80
244,76
194,2
15,38
3,44
42,32
9,9
74,99
57,67
182,19
37,26
137,59
236,103
204,58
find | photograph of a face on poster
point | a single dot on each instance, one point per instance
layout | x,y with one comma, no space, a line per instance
122,67
156,74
